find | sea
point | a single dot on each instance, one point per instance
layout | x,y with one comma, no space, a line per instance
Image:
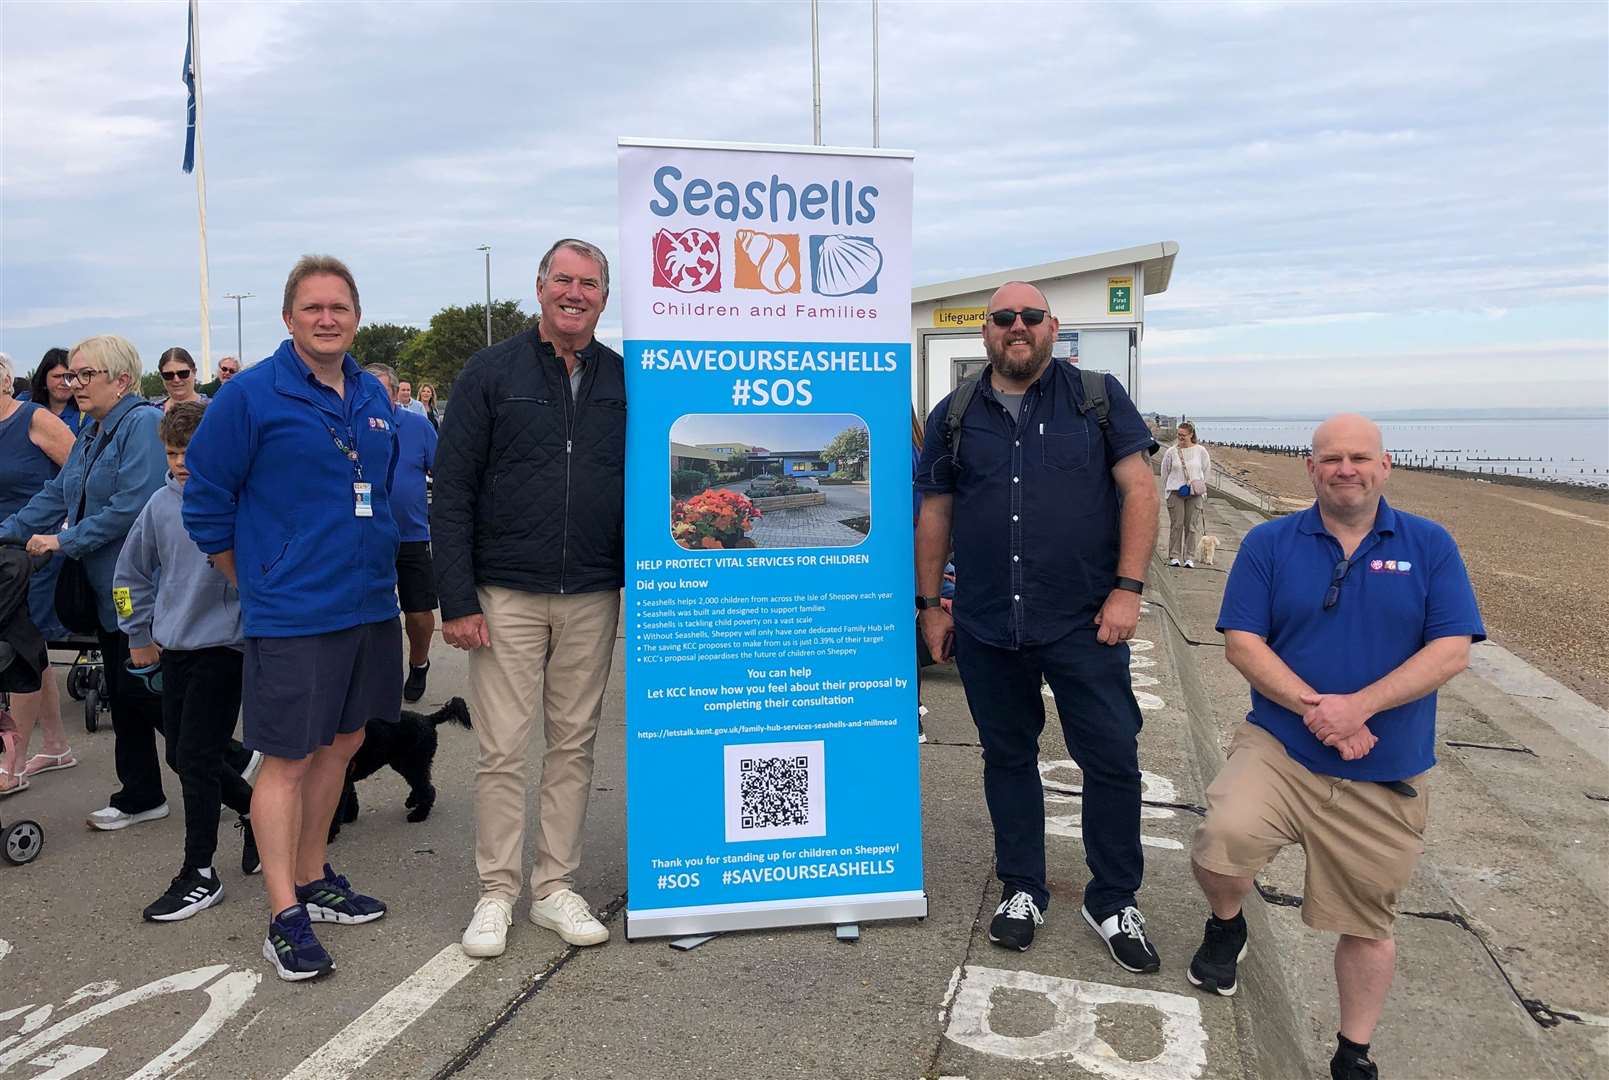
1570,447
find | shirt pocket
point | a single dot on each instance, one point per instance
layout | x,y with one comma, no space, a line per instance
1065,451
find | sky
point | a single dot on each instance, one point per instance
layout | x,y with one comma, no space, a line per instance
1376,205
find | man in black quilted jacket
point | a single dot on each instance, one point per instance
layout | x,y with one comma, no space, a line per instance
526,521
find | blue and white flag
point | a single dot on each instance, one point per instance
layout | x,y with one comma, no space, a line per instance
189,77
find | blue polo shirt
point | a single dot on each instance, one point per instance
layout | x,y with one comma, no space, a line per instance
416,456
1035,523
1406,587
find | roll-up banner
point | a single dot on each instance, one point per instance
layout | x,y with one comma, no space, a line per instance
771,741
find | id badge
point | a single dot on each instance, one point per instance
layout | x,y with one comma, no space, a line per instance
362,499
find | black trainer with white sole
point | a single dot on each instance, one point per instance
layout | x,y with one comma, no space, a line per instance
1014,922
187,894
1223,947
1124,934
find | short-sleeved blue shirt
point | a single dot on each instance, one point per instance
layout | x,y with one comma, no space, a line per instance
1035,522
1406,587
416,456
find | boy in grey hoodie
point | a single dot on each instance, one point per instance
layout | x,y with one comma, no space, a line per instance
176,608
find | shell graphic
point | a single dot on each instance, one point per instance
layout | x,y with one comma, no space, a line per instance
767,261
841,265
687,261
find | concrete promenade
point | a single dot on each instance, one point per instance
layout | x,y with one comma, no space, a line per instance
1503,969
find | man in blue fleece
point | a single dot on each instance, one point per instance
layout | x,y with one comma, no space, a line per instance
289,492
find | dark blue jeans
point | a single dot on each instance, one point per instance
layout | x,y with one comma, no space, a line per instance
1101,723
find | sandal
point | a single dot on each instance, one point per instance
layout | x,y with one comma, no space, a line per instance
20,785
49,763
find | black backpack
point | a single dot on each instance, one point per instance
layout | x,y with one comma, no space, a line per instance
1095,401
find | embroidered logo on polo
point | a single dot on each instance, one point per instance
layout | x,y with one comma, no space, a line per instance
1390,566
378,424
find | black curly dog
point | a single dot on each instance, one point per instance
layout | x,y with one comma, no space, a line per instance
408,745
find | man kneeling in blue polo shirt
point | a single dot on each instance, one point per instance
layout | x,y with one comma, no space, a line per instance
290,493
1345,619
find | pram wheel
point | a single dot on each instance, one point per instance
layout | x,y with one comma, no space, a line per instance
21,842
75,682
92,710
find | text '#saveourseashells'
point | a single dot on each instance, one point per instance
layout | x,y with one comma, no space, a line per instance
775,264
841,265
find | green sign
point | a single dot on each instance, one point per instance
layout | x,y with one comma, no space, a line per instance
1120,296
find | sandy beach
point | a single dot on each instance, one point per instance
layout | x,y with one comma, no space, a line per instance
1538,556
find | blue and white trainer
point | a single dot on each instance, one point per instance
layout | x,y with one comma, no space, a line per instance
293,949
331,899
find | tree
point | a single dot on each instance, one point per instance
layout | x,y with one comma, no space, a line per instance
849,450
456,333
151,386
382,343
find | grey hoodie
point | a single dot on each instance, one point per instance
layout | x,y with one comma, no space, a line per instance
164,589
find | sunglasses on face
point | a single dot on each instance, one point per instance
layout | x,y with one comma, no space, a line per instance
1031,316
227,370
176,376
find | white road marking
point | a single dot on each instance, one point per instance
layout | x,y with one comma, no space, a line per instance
1072,825
351,1047
89,990
5,948
1072,1035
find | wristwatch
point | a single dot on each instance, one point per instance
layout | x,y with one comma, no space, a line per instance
925,602
1131,584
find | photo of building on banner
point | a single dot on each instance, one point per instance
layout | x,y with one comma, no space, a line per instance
771,755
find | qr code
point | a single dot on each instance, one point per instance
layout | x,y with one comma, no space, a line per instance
775,791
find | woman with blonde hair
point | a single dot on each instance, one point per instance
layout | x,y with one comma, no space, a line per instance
427,398
1185,468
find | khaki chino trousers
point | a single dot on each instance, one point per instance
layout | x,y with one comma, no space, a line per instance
554,651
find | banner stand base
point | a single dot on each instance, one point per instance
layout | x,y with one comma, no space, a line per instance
687,944
849,933
841,912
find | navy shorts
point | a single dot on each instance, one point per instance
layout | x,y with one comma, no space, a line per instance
301,692
416,577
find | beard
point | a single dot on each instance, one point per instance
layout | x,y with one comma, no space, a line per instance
1019,369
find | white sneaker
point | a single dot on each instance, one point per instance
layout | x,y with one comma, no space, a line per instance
1189,564
1173,562
110,818
566,914
487,933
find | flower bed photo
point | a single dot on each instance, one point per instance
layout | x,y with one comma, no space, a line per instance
713,519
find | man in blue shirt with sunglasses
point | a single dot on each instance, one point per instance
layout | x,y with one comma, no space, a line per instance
1345,619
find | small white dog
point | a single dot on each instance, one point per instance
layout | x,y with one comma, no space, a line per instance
1209,550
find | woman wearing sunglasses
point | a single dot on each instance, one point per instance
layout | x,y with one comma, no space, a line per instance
178,377
115,465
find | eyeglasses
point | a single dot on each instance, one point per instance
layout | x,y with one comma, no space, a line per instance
176,376
1031,316
222,370
83,376
1333,595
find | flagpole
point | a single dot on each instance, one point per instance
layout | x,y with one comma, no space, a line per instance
201,195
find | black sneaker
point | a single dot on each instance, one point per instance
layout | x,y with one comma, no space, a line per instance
1222,947
187,894
250,861
1014,921
414,688
331,899
1349,1064
292,948
1124,934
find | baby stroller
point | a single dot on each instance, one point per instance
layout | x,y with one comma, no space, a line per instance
24,663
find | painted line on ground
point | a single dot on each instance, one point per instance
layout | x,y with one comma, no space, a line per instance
350,1048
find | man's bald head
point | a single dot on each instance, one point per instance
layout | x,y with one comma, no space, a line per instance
1018,295
1351,429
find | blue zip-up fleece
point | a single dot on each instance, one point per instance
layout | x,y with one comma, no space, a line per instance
122,474
165,590
269,481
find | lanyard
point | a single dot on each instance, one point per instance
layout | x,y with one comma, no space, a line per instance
348,450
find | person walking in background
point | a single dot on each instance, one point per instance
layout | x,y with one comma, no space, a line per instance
427,398
108,478
1185,468
1345,619
49,388
179,611
416,576
530,582
1051,506
405,399
34,444
178,377
289,492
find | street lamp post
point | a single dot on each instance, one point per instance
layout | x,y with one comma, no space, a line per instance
487,248
240,352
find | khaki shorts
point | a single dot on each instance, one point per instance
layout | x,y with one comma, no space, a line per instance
1362,839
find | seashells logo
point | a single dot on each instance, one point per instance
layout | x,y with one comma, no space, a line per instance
844,265
767,261
688,261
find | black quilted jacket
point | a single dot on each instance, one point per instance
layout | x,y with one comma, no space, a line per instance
530,478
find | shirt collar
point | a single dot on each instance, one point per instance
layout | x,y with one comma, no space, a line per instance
1385,520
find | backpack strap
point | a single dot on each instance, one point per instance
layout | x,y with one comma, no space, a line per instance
959,400
1095,399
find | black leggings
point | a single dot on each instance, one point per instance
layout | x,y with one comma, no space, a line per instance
200,703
